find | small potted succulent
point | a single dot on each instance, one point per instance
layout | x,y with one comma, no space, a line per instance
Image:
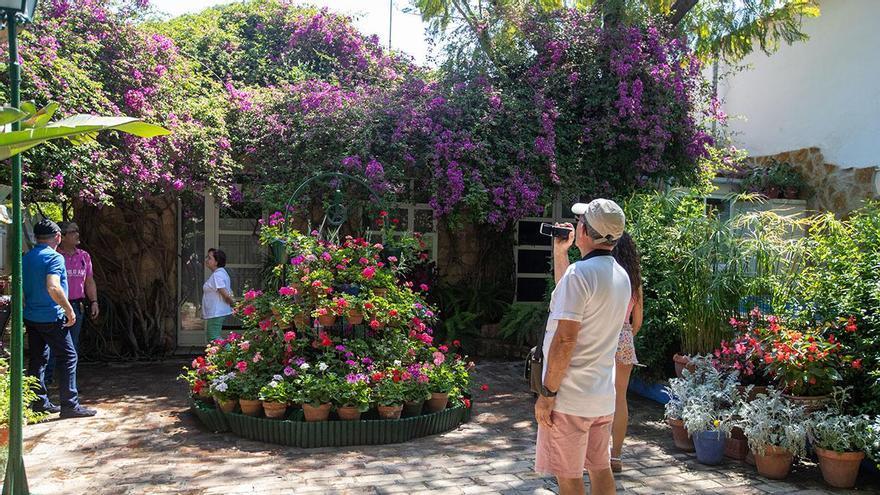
776,431
840,441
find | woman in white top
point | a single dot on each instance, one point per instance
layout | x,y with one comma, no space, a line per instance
216,294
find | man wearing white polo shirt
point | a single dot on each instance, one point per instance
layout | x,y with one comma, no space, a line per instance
576,406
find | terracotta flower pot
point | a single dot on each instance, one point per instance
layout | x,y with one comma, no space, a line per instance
680,435
811,403
380,292
437,402
251,407
390,412
355,317
682,362
772,192
775,463
319,413
413,408
4,436
839,469
226,406
737,446
275,410
302,322
348,413
791,193
327,320
205,395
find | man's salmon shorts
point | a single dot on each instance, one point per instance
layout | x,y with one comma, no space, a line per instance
573,445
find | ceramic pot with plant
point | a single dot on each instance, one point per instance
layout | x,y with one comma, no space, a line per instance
805,361
248,385
223,389
709,410
352,397
441,380
355,313
389,393
416,394
316,385
839,441
678,392
275,396
776,431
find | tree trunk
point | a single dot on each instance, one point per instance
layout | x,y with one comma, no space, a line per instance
134,252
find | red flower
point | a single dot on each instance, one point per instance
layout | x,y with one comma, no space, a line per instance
851,325
456,343
374,324
467,403
325,340
484,387
857,364
380,222
377,376
395,221
383,213
392,313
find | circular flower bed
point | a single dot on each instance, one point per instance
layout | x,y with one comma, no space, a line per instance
335,335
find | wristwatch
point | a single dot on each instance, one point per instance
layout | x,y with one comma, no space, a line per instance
546,392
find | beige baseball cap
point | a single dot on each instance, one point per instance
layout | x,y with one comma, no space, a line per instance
604,215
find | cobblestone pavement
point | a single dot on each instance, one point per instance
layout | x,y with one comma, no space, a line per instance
145,441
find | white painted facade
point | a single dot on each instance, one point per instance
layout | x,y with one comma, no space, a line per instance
823,93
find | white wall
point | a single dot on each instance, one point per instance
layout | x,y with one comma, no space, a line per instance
824,92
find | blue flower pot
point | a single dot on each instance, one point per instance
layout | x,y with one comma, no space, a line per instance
710,447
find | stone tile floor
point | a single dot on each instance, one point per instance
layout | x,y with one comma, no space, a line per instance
144,441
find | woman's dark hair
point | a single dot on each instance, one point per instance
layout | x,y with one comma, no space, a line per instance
219,257
627,255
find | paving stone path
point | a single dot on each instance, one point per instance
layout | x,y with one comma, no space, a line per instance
144,441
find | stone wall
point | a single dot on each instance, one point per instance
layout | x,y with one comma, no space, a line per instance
832,188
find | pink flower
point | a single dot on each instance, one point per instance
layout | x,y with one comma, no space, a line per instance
439,358
287,291
369,272
265,325
374,324
249,310
252,294
326,256
288,336
317,283
364,261
392,259
298,260
242,366
424,287
258,357
443,348
244,345
288,371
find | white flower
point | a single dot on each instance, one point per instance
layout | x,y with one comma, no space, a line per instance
277,378
323,366
221,387
273,384
304,366
397,362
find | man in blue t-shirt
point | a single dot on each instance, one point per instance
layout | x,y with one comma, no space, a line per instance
48,317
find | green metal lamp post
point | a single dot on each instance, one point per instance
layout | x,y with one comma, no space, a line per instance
15,483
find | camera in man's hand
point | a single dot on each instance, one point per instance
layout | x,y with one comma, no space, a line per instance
553,231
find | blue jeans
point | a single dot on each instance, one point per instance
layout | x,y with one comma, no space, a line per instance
43,337
74,334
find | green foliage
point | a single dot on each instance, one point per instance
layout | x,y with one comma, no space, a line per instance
772,420
466,306
840,276
277,390
523,323
28,393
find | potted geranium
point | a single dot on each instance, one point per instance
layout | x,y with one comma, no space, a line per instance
352,397
275,396
355,310
317,388
389,393
839,441
224,394
417,391
248,385
325,311
776,432
441,380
